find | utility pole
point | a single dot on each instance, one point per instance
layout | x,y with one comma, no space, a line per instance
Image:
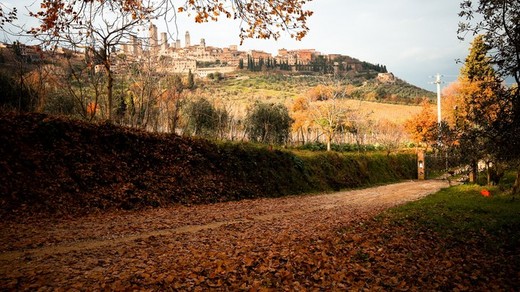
438,83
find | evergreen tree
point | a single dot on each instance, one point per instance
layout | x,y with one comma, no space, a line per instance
477,66
260,64
481,93
249,63
498,21
191,81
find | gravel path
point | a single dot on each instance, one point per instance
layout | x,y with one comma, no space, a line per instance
183,247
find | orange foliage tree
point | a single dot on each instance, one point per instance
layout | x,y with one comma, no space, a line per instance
262,18
452,104
321,110
302,122
422,127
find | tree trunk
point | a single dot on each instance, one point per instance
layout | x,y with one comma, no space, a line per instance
473,172
110,85
488,169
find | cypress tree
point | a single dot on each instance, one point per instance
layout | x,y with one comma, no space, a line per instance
191,81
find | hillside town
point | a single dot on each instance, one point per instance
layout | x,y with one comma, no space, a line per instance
202,59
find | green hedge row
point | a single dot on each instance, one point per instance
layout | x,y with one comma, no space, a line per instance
335,171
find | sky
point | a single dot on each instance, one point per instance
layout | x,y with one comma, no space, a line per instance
414,39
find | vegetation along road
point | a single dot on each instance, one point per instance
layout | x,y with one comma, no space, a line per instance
283,242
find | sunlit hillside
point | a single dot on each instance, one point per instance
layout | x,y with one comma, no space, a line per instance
396,113
241,91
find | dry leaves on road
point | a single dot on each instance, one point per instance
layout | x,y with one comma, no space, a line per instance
327,242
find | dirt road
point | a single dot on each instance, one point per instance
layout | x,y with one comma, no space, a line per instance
232,245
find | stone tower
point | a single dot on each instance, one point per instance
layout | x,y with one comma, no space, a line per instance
187,39
164,42
154,41
135,46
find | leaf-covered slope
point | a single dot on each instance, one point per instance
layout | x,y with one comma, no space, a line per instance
57,166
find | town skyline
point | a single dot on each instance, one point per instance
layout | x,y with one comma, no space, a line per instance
414,40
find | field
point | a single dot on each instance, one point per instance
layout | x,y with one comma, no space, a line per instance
242,91
396,113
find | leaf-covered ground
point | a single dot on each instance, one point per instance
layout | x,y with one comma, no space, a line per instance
321,242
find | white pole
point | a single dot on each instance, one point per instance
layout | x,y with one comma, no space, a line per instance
438,82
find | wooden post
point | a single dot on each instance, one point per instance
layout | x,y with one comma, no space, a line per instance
473,172
421,166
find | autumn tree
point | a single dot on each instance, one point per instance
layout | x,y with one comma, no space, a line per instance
497,22
139,104
390,135
452,104
422,127
322,110
327,111
173,99
483,104
259,18
302,124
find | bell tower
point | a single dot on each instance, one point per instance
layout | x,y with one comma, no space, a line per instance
187,39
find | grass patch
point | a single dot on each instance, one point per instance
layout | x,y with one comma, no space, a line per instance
462,214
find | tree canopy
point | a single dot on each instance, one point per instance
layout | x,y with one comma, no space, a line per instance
260,18
497,21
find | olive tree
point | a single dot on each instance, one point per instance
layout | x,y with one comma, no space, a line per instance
268,123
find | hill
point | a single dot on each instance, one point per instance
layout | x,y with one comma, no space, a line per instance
396,101
63,83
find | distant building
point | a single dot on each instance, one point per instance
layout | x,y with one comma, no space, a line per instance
164,42
176,58
257,55
386,77
302,57
187,39
153,39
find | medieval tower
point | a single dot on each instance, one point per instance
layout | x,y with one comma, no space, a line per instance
164,42
154,41
187,39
